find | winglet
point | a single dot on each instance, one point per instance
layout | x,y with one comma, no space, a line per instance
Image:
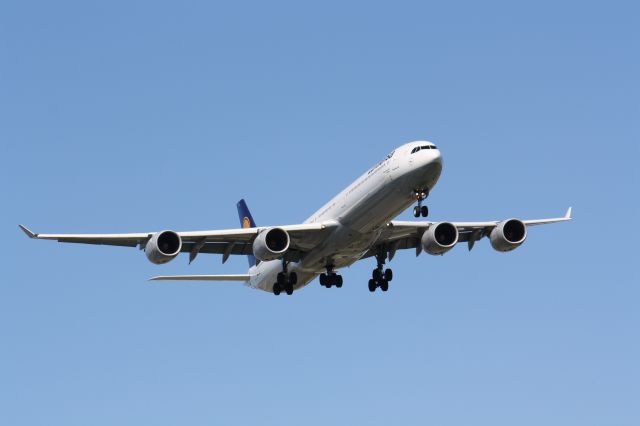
568,214
28,232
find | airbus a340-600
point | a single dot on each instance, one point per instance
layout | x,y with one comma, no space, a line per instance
356,224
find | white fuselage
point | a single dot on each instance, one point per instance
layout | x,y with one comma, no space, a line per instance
361,212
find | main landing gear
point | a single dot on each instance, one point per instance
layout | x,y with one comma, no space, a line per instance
380,276
285,281
330,278
420,195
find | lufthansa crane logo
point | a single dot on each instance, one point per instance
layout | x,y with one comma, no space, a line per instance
246,223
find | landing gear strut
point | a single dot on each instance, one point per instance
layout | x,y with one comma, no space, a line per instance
380,276
285,281
420,195
330,278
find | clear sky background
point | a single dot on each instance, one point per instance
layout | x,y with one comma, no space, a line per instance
139,116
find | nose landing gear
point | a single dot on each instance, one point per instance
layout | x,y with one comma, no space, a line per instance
420,195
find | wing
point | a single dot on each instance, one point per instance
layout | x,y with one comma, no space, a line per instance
226,242
400,235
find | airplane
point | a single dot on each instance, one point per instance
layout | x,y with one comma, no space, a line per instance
356,224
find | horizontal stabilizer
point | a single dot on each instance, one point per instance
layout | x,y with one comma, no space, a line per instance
241,278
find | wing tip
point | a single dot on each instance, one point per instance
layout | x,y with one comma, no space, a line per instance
27,231
568,213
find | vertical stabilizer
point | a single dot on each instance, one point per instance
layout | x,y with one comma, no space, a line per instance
246,221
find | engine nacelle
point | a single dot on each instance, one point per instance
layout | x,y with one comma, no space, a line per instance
163,247
271,244
508,235
439,238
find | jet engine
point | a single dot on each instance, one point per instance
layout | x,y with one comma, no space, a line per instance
271,244
163,247
508,235
440,238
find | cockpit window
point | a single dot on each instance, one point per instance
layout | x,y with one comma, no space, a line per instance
418,148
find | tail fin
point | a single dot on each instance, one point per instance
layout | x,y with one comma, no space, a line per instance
246,221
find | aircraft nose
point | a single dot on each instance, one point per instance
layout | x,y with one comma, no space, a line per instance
432,156
437,155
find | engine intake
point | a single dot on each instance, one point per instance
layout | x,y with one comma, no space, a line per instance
271,244
508,235
440,238
163,247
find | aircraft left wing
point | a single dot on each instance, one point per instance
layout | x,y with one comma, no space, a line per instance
304,237
400,235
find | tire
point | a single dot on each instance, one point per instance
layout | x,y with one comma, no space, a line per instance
416,211
277,289
328,280
384,285
281,279
424,211
293,278
289,289
372,286
388,275
323,279
339,281
377,274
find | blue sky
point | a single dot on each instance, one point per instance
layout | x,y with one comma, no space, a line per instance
137,116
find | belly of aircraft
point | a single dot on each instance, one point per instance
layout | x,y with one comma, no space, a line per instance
361,225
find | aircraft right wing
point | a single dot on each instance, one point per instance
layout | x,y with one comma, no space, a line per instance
227,242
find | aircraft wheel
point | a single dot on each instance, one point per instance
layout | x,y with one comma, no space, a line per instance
323,279
293,278
424,211
339,281
372,286
377,274
277,289
384,285
281,279
289,289
388,275
416,211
